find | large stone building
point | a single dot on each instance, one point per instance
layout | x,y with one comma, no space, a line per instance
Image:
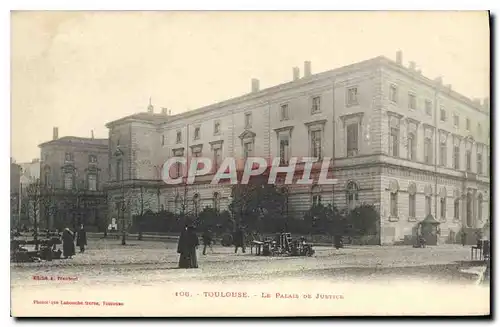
73,173
408,144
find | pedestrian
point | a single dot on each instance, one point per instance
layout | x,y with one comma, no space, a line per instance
81,238
239,240
464,238
207,241
188,243
68,243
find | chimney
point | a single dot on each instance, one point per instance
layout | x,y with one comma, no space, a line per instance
170,112
164,111
55,133
307,68
399,57
412,65
419,72
448,86
92,134
439,80
255,85
486,103
476,101
296,73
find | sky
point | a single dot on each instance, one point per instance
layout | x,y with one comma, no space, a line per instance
81,70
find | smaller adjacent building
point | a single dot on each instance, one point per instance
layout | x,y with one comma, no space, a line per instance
73,171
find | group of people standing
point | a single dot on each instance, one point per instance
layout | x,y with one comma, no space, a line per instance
68,241
189,242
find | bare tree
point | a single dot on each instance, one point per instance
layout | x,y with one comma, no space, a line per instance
35,197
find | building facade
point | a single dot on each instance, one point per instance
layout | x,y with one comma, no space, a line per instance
407,144
73,172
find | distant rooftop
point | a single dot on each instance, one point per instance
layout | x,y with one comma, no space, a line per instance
160,118
76,140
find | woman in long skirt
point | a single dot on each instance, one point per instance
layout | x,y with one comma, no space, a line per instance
68,243
188,243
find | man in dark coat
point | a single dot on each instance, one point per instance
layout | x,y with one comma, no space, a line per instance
188,243
239,240
207,241
81,238
68,243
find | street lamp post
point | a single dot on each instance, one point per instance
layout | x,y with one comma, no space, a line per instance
119,154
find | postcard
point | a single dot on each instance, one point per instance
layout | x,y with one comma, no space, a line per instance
250,163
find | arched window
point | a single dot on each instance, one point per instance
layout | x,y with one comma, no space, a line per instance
216,200
196,204
469,210
393,189
428,200
480,207
442,203
316,195
412,200
352,195
456,209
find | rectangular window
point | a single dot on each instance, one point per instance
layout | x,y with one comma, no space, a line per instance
428,107
284,150
178,138
316,105
411,147
456,209
393,93
428,151
352,139
196,153
456,157
92,182
68,157
68,181
284,112
162,140
443,153
428,205
412,206
394,142
456,121
118,170
479,164
442,114
248,150
443,208
352,96
467,124
92,158
394,204
217,158
488,164
316,144
216,128
197,133
248,120
468,160
412,101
